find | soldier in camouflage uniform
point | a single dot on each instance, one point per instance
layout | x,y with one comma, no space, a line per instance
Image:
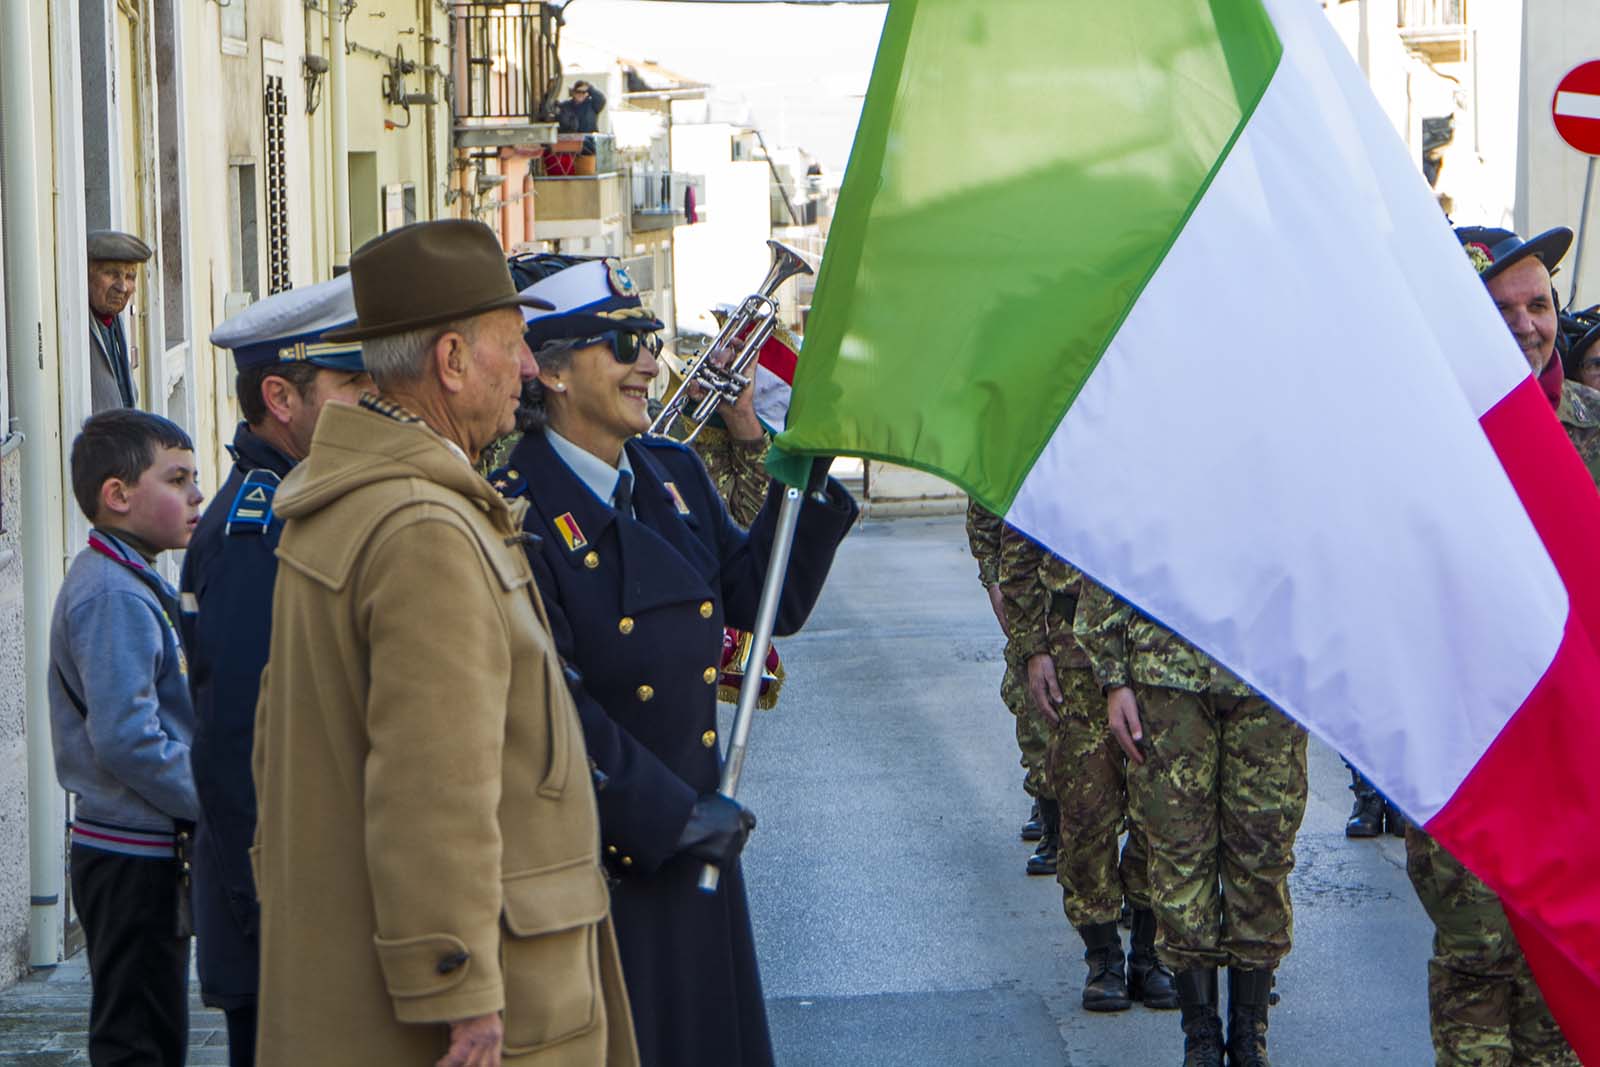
983,536
1483,1005
1085,771
1218,784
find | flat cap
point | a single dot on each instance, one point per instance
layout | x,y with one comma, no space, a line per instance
117,247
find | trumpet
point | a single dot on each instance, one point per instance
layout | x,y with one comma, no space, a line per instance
746,330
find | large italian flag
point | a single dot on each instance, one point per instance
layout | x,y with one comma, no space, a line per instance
1156,280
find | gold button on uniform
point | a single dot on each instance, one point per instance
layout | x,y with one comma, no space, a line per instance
706,609
710,675
592,560
645,692
708,738
627,861
625,625
611,850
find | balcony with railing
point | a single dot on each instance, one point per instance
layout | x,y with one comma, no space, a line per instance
505,73
661,198
1436,29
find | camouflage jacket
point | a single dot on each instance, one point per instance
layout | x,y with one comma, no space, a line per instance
1041,596
738,470
1579,412
1126,646
983,537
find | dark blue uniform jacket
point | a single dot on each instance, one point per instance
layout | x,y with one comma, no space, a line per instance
637,605
228,574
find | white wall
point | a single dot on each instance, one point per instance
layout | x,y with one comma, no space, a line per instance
723,259
1557,35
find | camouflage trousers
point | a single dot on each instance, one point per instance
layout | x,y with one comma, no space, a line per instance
1032,736
1220,797
1483,1006
1086,772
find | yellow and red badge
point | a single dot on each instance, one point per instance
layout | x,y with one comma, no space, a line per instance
570,532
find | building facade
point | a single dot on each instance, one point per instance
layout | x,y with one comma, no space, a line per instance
252,145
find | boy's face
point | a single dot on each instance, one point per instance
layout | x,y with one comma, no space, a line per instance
162,507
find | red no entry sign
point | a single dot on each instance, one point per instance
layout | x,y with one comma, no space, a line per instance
1576,108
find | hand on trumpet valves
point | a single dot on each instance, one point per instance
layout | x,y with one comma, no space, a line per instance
740,416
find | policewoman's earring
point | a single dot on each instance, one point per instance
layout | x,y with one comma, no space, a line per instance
559,387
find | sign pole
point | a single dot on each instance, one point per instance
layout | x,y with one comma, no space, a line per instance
1575,109
1583,231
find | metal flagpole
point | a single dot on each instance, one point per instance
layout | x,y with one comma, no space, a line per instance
1583,231
760,641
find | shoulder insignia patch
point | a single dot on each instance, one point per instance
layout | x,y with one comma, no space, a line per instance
508,481
251,512
677,498
568,528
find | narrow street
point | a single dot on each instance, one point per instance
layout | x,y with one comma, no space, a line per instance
894,921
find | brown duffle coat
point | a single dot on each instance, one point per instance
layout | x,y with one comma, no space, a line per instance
427,844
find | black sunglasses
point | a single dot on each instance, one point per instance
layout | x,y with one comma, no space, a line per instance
626,345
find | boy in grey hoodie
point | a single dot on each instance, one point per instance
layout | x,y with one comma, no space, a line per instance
121,721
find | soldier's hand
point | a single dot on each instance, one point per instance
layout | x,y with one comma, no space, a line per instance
1122,715
1042,686
998,603
475,1042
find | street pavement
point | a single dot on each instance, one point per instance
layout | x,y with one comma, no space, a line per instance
894,922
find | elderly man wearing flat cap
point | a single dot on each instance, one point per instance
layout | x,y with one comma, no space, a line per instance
427,845
114,260
287,373
1483,1005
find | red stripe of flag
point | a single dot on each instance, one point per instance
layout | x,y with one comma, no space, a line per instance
1527,818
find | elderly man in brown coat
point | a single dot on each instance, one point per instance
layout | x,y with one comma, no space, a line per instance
427,846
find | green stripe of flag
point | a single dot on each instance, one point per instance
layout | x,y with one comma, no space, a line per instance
1019,172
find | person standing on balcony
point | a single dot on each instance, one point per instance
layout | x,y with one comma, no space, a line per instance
580,111
114,260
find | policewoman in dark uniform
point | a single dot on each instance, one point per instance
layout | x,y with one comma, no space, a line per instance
640,567
286,374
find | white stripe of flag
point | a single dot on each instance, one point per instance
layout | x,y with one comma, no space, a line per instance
1578,105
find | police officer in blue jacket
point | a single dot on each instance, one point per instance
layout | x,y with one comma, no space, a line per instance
640,566
286,373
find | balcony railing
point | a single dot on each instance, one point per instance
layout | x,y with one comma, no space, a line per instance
1436,29
1432,14
660,196
505,60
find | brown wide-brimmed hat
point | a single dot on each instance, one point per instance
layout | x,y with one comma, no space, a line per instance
426,274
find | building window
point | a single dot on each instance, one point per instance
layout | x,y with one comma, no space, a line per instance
235,28
277,109
245,273
399,205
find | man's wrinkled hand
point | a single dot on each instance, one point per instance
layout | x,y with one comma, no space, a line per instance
997,602
1122,715
1042,686
475,1042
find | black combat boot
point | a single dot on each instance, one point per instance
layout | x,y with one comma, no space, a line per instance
1148,978
1202,1028
1106,988
1033,828
1043,860
1248,996
1366,815
1393,821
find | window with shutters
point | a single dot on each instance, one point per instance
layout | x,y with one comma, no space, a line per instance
277,110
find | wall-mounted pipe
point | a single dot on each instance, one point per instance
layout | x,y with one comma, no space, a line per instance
339,121
38,414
